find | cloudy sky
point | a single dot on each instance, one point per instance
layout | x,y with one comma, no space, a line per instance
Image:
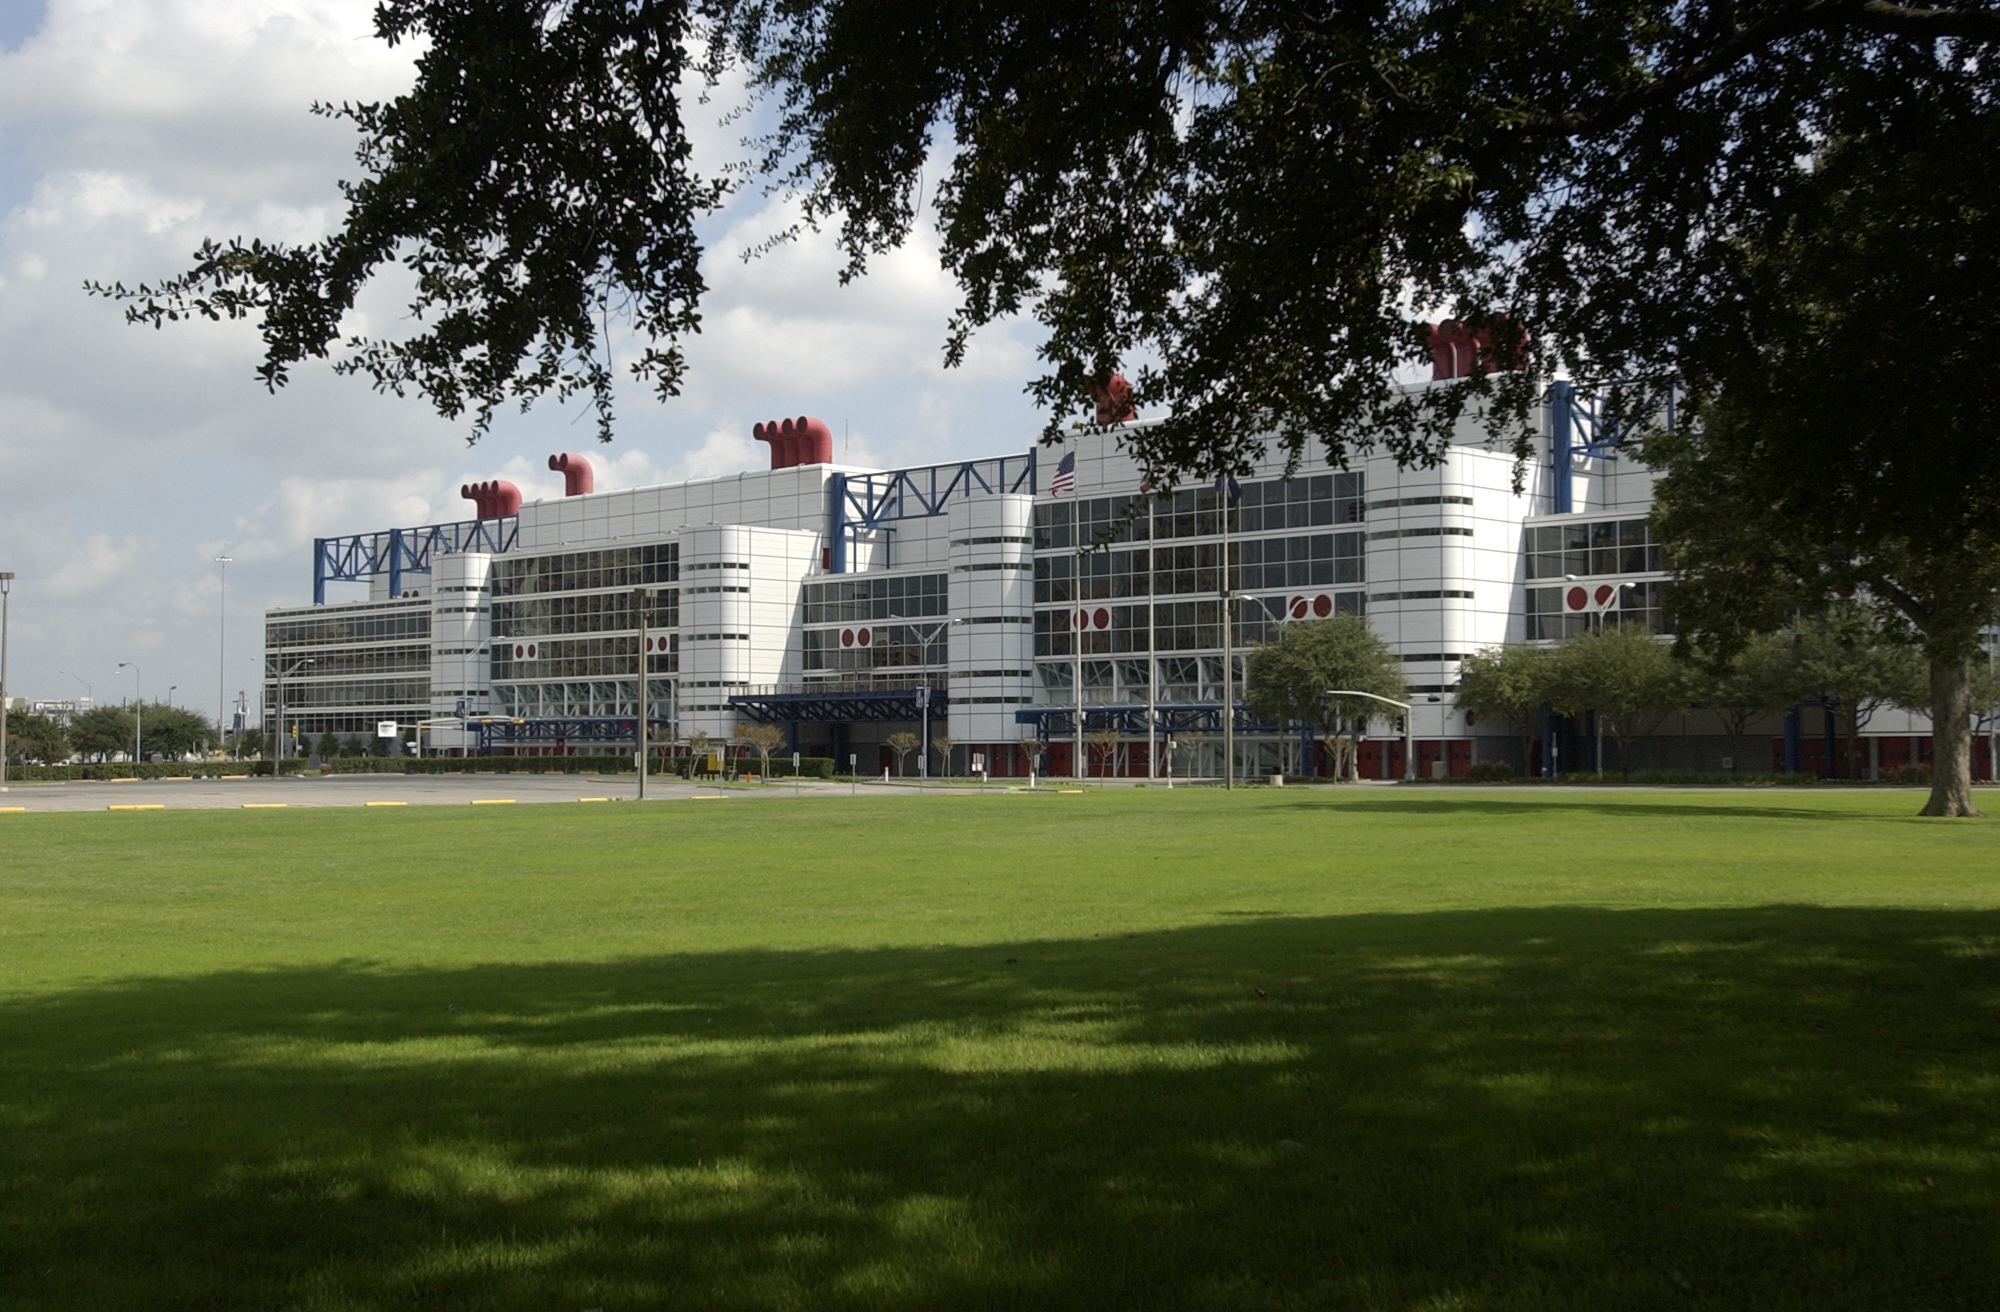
130,459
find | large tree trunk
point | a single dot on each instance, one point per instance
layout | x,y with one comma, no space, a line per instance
1951,738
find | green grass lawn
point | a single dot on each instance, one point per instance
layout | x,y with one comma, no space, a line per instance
1133,1049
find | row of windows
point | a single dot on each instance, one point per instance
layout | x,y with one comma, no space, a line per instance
1183,679
361,660
1639,604
590,612
890,646
601,697
1176,626
577,571
904,596
1319,560
354,692
1262,507
581,658
348,626
1607,546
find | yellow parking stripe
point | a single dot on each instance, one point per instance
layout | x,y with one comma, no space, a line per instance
265,806
139,806
385,804
493,801
593,799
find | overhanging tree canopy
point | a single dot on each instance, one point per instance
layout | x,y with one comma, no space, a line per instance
1255,200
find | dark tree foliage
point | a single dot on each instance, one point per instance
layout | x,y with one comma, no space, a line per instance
1250,205
535,183
1851,447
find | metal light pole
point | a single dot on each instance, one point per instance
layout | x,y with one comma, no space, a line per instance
138,713
924,640
6,586
278,698
222,652
1222,505
1409,725
640,596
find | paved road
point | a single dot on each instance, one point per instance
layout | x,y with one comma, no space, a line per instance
358,790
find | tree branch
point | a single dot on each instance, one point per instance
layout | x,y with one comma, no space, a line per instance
1814,16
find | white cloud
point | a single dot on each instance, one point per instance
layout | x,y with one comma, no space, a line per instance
132,129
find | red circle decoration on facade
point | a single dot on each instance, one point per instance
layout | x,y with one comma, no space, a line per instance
863,638
531,651
1322,605
1576,598
1299,608
847,637
1605,592
520,652
1081,619
1102,618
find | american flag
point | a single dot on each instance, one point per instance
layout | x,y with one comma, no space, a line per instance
1065,479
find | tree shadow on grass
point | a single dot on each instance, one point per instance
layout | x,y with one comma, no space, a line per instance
1774,1108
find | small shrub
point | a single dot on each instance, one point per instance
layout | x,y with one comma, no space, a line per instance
1491,772
1908,774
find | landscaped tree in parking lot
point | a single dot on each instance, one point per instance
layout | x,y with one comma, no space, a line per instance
765,739
35,737
902,744
1290,677
1625,676
1509,684
101,731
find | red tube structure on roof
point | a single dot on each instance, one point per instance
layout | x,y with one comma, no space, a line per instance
493,499
578,477
801,441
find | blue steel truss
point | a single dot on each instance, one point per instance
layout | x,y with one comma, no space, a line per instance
863,502
398,551
1587,425
839,706
1056,723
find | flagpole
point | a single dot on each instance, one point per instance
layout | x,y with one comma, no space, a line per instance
1152,659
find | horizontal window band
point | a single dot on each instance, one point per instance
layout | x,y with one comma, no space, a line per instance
992,701
998,619
726,587
1421,657
1004,564
992,542
1442,532
715,637
1419,596
1419,501
1430,687
993,674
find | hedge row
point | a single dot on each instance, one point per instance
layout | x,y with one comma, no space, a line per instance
145,770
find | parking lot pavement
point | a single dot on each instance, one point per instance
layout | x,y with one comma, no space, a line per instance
362,790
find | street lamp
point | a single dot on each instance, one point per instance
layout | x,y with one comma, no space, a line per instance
222,650
641,604
1409,726
924,693
278,697
138,714
6,586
